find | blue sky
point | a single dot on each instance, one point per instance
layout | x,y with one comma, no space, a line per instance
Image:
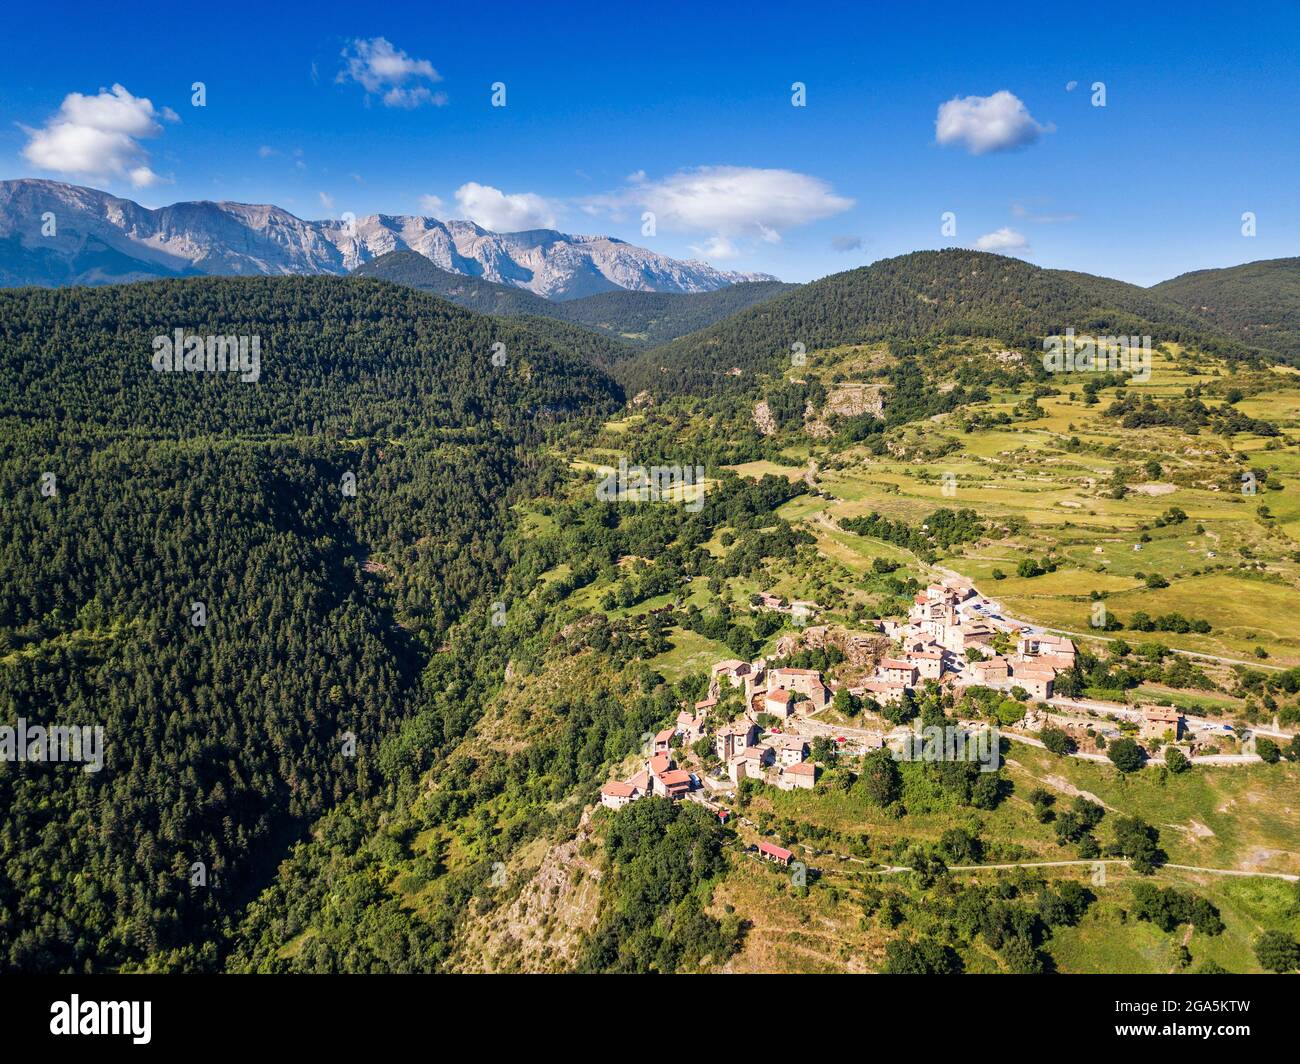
615,109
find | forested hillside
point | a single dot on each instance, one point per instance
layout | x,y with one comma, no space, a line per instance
629,319
1258,302
236,580
644,319
910,298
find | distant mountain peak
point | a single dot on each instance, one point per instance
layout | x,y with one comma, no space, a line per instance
102,238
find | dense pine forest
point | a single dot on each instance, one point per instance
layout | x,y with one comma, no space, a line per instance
1257,302
240,581
914,298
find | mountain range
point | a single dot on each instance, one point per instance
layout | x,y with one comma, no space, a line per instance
54,234
684,315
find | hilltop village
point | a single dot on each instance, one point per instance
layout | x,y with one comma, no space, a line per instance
763,721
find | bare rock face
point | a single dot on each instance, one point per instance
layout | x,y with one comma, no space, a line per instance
763,418
98,238
850,400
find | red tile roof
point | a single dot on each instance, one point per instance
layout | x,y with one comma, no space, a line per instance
779,852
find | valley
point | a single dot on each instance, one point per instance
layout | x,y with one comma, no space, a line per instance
521,634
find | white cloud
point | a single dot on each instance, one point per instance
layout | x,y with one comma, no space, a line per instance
97,137
847,242
326,200
431,205
987,123
1004,239
493,209
718,247
728,204
736,200
390,74
266,151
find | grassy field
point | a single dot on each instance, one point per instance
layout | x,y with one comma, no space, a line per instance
690,653
1048,479
1108,939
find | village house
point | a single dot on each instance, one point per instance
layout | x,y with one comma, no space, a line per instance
755,680
1057,647
994,672
804,681
895,670
952,590
615,794
1035,679
1004,674
932,618
959,638
886,692
663,740
802,776
666,779
735,671
689,727
732,739
789,749
927,663
749,763
779,702
1160,722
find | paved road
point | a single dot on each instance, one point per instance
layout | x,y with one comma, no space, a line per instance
1204,759
1113,709
1238,872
